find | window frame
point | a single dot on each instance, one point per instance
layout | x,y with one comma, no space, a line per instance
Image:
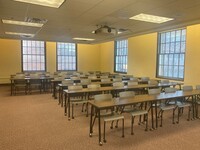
22,54
115,55
66,55
174,53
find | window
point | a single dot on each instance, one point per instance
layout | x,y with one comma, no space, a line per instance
33,56
66,57
171,54
121,56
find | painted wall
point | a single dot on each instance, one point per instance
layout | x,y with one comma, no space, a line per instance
142,55
10,58
107,57
88,57
192,60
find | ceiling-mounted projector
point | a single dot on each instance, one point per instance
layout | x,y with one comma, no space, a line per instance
105,30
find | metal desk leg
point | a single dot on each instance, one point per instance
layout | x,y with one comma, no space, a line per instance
152,118
99,120
68,104
156,114
91,118
65,113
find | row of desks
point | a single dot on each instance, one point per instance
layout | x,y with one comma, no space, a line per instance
43,80
87,91
152,99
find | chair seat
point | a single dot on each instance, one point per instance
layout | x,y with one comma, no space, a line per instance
167,107
198,101
181,105
138,112
113,117
78,101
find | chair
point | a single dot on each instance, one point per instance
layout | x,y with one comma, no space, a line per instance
117,85
64,85
164,81
167,106
108,116
105,80
133,110
117,79
134,79
152,82
154,91
197,102
77,98
144,80
91,94
85,82
35,84
184,102
104,77
20,84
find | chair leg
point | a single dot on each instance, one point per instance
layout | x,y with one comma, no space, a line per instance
161,117
122,127
132,122
146,122
189,113
111,126
72,111
104,132
116,126
179,109
173,115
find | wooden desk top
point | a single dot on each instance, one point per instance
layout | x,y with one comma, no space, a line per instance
142,98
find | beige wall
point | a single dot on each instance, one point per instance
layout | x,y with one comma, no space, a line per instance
50,56
10,58
107,56
192,60
88,57
142,55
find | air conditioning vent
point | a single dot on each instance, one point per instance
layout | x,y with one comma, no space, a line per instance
35,20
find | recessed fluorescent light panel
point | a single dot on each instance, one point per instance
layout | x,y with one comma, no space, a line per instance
48,3
151,18
83,39
21,34
22,23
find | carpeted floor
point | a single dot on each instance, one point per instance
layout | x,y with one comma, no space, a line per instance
37,122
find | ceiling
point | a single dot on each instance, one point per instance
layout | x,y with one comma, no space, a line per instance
78,18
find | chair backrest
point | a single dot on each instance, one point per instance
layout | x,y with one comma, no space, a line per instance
134,79
74,78
103,77
105,80
187,88
92,77
145,78
67,82
117,79
118,84
94,86
198,87
153,82
126,94
164,81
154,91
75,87
132,83
103,97
170,90
85,81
